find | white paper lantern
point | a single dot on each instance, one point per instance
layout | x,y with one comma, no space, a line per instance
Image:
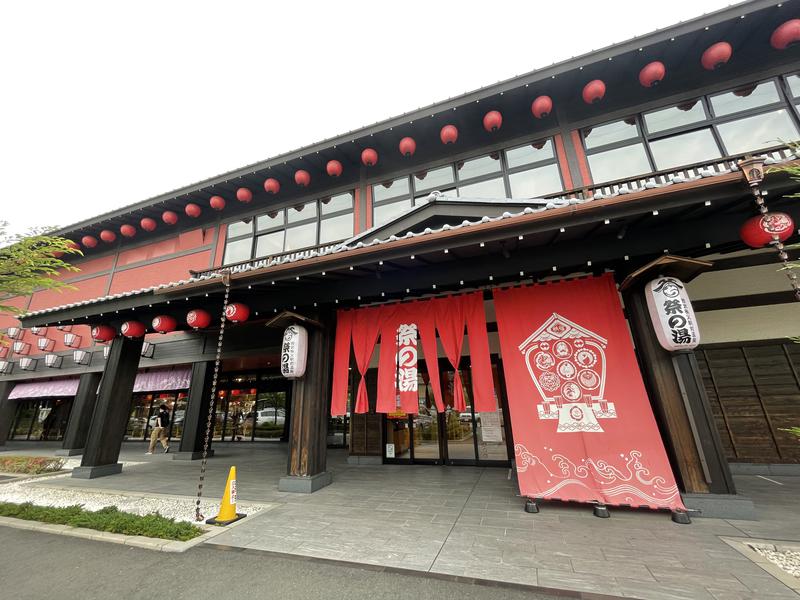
672,315
294,352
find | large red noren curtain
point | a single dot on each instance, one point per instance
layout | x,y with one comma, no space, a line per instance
583,426
341,363
365,330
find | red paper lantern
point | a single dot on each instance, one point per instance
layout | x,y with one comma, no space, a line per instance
369,156
302,177
760,230
89,241
785,35
132,329
407,146
273,186
169,217
103,333
108,236
164,324
542,107
448,134
198,318
652,73
70,244
217,202
243,194
492,121
594,91
716,55
148,224
237,312
128,230
334,168
192,210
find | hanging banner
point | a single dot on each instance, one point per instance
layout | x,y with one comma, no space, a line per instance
583,427
294,352
403,329
672,314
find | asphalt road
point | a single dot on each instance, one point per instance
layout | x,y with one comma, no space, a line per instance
42,566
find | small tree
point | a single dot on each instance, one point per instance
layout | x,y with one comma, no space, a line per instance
30,262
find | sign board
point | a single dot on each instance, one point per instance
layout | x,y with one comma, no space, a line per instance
294,352
491,431
672,314
389,450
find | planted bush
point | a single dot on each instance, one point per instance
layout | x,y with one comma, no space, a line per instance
30,465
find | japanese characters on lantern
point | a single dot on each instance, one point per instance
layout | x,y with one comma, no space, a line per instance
672,314
294,352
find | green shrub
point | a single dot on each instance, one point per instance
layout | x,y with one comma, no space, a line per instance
30,465
109,519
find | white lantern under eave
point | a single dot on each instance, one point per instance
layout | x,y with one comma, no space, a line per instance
672,314
294,352
27,363
53,361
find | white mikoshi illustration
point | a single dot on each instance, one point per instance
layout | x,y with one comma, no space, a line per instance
567,364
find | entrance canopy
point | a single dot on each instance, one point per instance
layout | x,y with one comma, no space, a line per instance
174,378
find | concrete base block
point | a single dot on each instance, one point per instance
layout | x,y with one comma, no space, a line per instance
191,455
721,506
792,470
69,451
364,460
305,485
96,471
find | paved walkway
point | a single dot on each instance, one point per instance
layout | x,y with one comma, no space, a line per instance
467,522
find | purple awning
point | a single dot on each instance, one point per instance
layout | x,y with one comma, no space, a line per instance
155,380
37,389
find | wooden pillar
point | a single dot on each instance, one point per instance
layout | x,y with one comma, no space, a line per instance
80,417
8,409
681,407
111,411
195,421
308,433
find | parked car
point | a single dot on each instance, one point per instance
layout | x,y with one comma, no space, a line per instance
275,416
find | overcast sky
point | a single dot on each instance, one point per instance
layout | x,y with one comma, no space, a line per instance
103,105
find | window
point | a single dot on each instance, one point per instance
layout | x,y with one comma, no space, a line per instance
535,183
297,227
390,199
435,179
749,118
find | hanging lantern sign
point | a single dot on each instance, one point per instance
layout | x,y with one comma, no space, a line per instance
237,312
672,314
198,318
132,329
294,352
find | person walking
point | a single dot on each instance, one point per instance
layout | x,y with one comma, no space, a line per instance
160,430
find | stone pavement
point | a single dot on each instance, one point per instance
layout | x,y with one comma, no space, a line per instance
468,522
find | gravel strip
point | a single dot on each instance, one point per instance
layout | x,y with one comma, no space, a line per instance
786,560
178,508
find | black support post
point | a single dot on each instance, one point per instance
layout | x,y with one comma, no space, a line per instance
7,410
112,410
195,419
80,417
308,434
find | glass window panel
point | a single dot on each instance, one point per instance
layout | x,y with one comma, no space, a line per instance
269,243
434,179
301,236
685,149
334,229
794,84
269,220
390,189
336,203
423,198
675,116
535,183
619,163
478,166
610,133
238,251
494,188
525,155
744,98
240,228
301,212
760,131
386,212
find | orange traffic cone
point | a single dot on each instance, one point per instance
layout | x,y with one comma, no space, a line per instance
227,509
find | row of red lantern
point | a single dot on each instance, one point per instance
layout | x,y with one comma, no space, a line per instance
196,319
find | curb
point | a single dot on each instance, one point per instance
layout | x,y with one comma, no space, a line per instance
744,546
138,541
494,583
